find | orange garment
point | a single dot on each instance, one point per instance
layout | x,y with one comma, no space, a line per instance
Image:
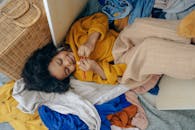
186,27
102,53
10,113
123,118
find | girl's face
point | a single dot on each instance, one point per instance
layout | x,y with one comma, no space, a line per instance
62,65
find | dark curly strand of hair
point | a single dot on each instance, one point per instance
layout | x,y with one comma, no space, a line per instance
36,74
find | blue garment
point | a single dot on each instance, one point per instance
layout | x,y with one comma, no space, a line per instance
154,90
116,9
91,7
111,107
57,121
141,8
102,2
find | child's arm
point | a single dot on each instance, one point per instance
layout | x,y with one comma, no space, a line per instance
100,72
88,47
91,65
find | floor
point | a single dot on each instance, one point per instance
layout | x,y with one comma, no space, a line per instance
4,79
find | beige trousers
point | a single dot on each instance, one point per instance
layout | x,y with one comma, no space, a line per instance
152,46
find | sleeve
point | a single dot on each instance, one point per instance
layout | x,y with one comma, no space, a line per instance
112,73
99,23
82,28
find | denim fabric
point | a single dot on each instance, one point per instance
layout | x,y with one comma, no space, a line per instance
141,8
116,9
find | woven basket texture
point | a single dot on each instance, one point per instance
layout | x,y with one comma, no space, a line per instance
24,29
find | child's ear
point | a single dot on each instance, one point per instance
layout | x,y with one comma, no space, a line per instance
60,49
64,46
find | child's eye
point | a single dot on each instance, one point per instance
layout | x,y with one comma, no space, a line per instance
59,61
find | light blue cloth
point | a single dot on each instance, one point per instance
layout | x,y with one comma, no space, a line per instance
6,126
175,9
141,8
92,7
3,79
179,15
116,9
176,6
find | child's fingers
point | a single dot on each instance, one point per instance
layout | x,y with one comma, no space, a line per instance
85,61
82,67
84,51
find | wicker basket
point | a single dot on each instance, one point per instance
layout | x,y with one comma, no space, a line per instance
24,28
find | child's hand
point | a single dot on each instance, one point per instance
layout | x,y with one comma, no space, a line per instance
86,49
91,65
87,64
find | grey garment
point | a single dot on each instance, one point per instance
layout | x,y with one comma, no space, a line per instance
3,2
82,94
65,103
97,93
3,79
176,6
179,15
168,120
175,9
5,126
173,6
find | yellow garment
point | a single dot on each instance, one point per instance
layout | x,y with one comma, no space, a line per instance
10,113
102,53
120,24
187,26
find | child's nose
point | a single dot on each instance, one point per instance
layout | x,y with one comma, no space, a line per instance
67,63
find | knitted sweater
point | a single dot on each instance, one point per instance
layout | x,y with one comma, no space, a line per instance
102,53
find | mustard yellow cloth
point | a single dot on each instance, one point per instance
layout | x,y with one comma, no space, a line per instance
102,53
187,26
10,113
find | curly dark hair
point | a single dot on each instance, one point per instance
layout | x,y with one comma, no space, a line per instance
36,74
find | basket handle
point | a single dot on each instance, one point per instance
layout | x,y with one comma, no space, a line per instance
33,21
27,6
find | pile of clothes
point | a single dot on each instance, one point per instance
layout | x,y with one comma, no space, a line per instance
165,9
